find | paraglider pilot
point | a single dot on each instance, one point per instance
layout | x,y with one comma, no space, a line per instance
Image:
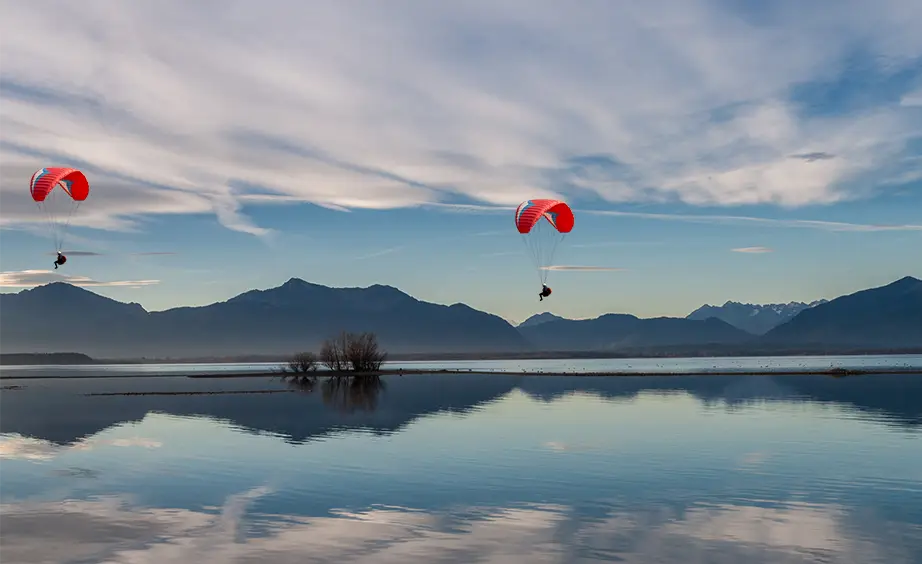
60,260
545,292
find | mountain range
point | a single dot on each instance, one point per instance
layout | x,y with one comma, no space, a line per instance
298,315
757,319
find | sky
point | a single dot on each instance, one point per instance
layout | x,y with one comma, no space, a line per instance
711,150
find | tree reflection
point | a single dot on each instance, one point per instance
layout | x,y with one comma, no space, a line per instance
345,393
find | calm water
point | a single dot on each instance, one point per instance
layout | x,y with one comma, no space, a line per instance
747,469
645,365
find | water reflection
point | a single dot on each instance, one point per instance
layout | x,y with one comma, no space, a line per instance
63,411
463,469
112,530
343,393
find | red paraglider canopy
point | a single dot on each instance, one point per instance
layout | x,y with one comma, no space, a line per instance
54,205
541,239
557,213
71,180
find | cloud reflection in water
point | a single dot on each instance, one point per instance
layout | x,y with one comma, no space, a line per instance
109,529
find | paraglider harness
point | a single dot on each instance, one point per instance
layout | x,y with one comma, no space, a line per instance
59,261
545,292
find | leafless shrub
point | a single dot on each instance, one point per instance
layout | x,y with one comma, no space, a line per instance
333,353
351,351
302,363
364,353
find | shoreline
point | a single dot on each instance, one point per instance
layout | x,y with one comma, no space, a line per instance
597,374
648,354
834,372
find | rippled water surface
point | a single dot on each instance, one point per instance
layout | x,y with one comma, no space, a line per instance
470,468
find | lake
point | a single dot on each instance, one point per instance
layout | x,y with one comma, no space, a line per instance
463,468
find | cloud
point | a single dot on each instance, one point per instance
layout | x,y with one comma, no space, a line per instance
738,220
453,105
382,252
913,99
752,250
810,157
78,253
32,278
502,254
599,244
96,254
110,529
583,268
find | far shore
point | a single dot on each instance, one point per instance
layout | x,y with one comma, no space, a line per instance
13,360
835,372
609,373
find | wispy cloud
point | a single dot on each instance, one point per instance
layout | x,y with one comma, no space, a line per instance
810,157
78,253
623,243
382,252
752,250
549,103
98,254
503,254
768,222
32,278
583,268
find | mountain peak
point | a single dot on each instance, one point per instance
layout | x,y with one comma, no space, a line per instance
889,315
540,318
54,291
58,288
906,281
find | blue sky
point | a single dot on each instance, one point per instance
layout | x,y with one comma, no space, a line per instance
712,150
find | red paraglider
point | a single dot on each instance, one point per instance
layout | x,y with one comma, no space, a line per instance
557,213
543,237
74,189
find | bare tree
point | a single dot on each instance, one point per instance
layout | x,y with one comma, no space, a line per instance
333,353
352,352
303,363
364,353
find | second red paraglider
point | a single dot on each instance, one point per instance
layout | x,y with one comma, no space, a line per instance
543,237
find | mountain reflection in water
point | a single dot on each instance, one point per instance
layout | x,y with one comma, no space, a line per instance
449,468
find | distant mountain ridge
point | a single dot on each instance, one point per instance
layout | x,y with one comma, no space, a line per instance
298,315
539,318
756,319
890,315
295,316
617,330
